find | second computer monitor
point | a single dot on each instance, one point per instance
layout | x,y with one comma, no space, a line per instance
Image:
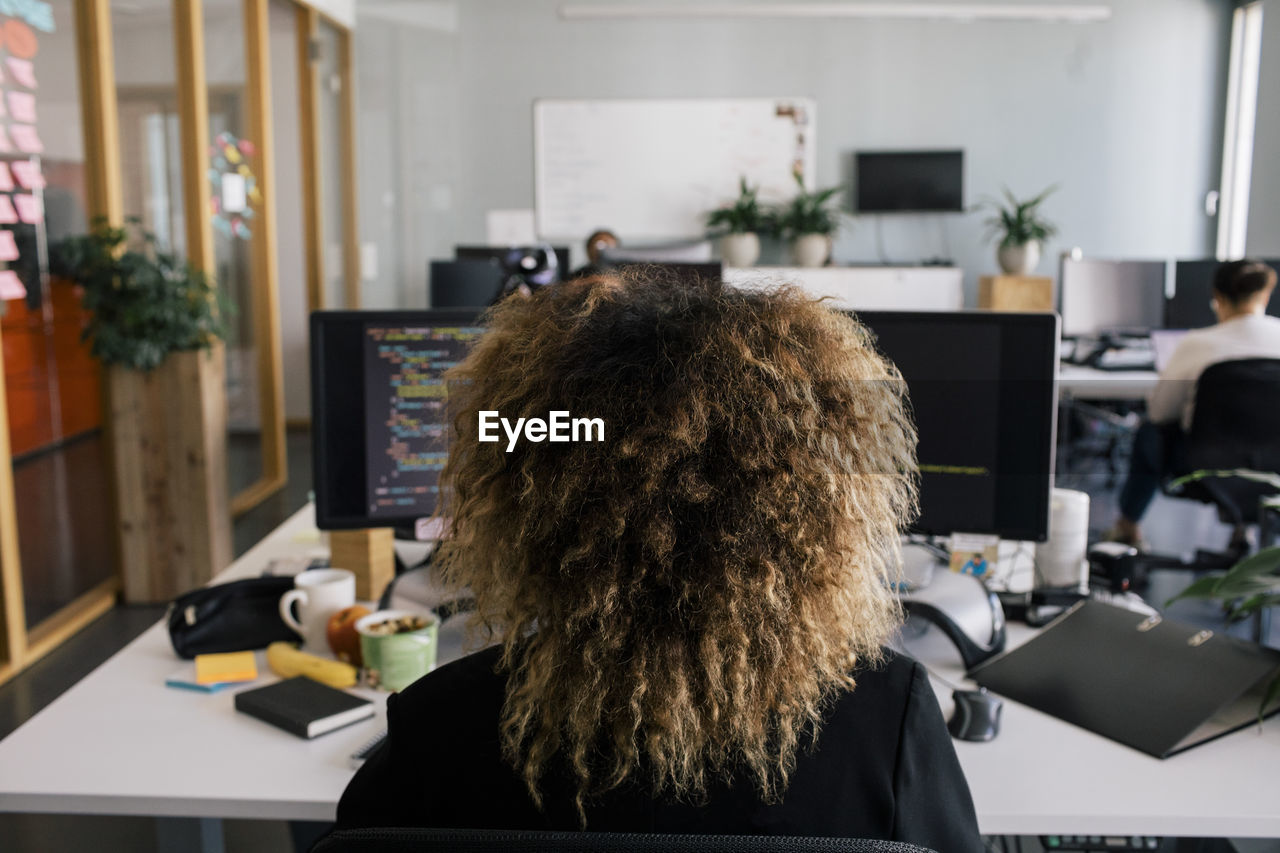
1111,296
983,394
1188,307
466,284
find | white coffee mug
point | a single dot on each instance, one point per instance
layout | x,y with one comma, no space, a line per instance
319,593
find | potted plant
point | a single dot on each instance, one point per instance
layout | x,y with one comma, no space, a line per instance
155,322
741,223
809,222
1251,585
1021,229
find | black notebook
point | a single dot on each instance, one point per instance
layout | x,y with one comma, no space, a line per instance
304,707
1154,684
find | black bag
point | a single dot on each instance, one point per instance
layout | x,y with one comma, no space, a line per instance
230,617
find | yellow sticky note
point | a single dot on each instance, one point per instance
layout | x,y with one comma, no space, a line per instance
229,666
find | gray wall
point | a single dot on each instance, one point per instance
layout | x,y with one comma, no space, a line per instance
1263,234
1125,115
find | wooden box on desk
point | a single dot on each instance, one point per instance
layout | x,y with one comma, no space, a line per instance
1015,293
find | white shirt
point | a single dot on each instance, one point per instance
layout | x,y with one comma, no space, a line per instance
1246,336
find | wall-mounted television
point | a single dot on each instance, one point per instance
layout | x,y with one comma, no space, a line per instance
908,181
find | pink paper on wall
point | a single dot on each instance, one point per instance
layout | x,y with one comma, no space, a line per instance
8,246
8,216
11,286
26,138
6,179
28,174
30,209
5,145
22,70
22,107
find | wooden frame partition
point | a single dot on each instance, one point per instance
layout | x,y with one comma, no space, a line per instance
308,22
266,307
20,646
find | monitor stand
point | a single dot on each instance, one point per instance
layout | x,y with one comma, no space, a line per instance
369,554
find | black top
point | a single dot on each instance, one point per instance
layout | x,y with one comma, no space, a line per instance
883,767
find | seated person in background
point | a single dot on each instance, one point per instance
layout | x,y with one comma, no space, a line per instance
690,614
1241,290
599,241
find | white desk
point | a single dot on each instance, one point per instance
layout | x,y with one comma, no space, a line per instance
1089,383
120,742
865,288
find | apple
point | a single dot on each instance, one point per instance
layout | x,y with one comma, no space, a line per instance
342,636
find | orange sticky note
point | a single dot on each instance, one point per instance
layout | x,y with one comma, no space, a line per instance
228,666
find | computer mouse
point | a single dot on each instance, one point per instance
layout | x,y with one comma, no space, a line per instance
977,715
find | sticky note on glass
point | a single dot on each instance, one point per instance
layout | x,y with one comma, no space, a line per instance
28,174
229,666
25,138
8,216
22,107
11,286
22,70
30,209
8,247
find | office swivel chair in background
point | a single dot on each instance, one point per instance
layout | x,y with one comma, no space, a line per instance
1236,425
411,840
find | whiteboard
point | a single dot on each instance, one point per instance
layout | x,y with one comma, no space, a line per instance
652,169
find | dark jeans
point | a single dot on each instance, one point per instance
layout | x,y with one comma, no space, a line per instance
1159,454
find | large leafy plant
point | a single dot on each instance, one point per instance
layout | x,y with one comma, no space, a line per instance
1251,585
808,212
744,216
143,303
1017,223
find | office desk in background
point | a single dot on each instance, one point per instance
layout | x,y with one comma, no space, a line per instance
121,743
865,288
1088,383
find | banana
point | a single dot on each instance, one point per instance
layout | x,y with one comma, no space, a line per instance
286,661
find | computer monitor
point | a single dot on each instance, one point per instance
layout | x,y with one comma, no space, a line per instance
983,395
526,261
713,271
700,251
465,284
1099,296
908,181
1188,307
377,412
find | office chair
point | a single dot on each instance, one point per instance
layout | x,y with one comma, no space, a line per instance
1236,425
420,840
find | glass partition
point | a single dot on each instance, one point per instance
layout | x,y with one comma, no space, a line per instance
52,392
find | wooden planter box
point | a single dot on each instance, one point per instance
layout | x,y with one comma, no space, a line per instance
1015,293
167,431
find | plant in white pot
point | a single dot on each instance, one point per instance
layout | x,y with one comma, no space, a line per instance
809,221
739,225
1021,230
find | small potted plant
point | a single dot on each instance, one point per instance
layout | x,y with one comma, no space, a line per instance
739,225
156,324
809,221
1021,230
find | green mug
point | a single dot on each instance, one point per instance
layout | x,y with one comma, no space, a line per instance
393,661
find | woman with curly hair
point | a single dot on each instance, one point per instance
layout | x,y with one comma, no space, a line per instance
689,615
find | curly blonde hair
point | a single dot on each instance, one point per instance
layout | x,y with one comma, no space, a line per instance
683,599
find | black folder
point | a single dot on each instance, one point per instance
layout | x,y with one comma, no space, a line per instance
1154,684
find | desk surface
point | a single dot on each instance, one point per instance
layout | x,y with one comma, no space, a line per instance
120,742
1089,383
